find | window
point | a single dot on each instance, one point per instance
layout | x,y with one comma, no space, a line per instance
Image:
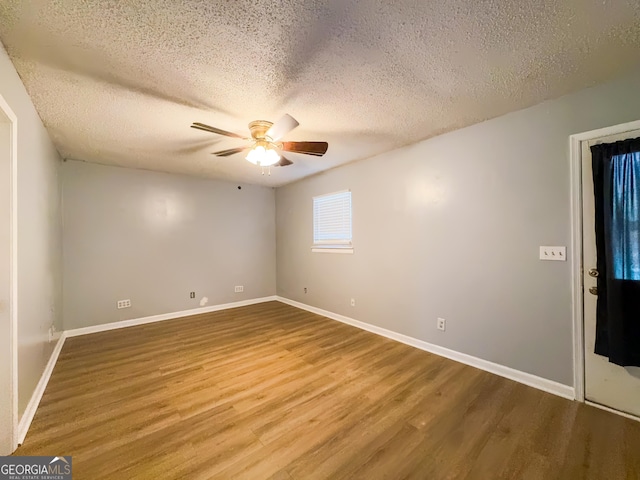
624,229
332,223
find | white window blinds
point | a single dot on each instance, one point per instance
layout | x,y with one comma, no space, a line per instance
332,219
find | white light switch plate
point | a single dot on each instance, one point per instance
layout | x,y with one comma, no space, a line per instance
558,254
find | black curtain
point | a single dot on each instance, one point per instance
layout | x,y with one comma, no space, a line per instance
616,181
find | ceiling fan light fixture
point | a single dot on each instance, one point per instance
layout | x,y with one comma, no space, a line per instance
263,156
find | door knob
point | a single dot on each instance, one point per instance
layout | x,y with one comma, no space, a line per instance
593,290
593,272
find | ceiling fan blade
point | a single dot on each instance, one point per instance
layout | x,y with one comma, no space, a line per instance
282,127
308,148
283,162
231,151
208,128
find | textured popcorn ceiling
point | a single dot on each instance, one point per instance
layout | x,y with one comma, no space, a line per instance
119,82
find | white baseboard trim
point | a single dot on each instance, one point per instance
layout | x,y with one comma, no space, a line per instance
540,383
30,411
165,316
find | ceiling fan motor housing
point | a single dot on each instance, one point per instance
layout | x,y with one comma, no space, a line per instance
259,129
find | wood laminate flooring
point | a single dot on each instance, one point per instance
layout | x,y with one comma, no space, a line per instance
273,392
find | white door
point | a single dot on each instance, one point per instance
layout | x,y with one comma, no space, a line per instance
605,383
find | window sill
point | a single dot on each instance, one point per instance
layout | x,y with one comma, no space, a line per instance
332,250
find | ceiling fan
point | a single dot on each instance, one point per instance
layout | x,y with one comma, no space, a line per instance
265,145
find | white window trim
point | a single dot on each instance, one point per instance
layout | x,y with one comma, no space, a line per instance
318,249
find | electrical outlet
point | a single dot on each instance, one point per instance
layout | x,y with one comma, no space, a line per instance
239,288
192,295
305,289
353,302
124,303
441,324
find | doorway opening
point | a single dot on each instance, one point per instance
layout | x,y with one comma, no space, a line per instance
8,280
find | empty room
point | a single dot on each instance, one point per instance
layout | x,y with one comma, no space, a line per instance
320,239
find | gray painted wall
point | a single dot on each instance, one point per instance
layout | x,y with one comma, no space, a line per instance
154,237
39,236
450,227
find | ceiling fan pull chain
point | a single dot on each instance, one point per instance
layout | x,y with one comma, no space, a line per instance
262,170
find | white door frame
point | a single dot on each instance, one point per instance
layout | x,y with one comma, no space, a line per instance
13,265
577,292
